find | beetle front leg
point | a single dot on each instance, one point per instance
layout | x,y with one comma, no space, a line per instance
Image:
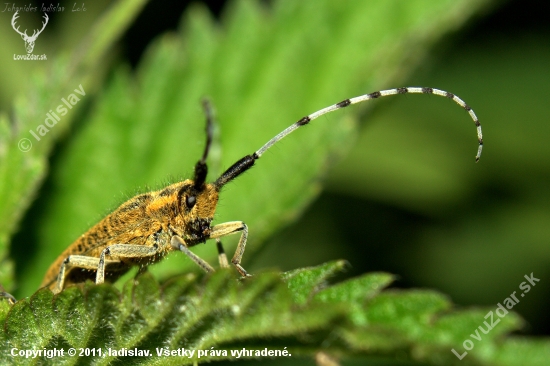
230,228
222,258
179,244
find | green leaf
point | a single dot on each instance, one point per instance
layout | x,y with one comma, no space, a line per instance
220,313
187,312
304,278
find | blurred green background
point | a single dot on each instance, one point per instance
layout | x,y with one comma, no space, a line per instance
407,199
439,220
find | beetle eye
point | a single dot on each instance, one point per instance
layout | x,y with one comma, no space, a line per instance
190,201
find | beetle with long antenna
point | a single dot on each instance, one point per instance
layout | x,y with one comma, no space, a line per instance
150,225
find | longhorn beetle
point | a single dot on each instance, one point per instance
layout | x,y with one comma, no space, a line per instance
150,225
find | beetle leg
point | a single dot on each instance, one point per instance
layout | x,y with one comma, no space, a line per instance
11,300
229,228
222,258
78,261
121,251
179,244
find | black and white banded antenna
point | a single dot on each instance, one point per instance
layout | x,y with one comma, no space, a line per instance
248,161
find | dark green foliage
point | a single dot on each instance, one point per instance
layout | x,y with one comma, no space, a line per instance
297,311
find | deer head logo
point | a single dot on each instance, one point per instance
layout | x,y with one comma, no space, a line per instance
29,41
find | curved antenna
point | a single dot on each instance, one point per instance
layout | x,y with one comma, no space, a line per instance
248,161
201,169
